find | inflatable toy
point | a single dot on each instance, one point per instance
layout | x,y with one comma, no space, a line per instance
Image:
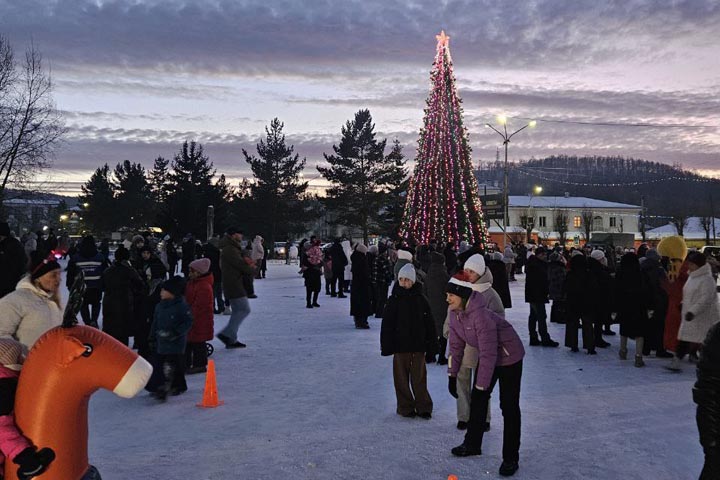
63,369
676,250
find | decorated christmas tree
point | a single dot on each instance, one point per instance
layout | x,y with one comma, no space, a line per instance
442,201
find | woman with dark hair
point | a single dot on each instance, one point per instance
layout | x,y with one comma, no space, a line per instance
631,306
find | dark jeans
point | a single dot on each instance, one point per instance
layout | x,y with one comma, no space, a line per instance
538,321
573,320
510,378
248,284
196,354
557,311
92,299
219,301
168,374
336,286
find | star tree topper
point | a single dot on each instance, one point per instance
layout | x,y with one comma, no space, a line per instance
442,39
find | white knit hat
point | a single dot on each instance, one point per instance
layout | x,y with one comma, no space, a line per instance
404,255
361,248
476,263
407,271
597,255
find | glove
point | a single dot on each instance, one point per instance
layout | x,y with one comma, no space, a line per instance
689,316
452,386
478,396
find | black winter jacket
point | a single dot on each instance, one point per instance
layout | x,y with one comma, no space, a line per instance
536,283
407,324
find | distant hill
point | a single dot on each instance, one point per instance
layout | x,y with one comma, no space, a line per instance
667,190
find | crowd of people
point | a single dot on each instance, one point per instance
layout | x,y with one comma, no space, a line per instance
437,305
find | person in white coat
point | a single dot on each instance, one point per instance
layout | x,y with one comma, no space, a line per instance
348,267
257,254
700,310
34,307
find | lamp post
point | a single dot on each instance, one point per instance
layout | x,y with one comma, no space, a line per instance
502,120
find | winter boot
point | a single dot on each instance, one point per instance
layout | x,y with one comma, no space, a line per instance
464,450
33,462
674,365
307,299
639,361
315,299
622,354
508,469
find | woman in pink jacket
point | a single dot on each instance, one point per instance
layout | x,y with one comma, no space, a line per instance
500,355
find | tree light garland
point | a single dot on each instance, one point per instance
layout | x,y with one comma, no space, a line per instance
443,201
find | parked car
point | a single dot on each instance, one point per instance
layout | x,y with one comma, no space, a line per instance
279,250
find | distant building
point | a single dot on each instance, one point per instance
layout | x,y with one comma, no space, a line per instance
694,232
541,214
25,215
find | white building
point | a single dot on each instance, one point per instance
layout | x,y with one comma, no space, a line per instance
542,212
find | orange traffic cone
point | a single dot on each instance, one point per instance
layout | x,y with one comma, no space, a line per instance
452,477
210,396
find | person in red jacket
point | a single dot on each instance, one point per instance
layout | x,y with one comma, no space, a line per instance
200,297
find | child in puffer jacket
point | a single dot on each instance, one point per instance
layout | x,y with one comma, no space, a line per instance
32,462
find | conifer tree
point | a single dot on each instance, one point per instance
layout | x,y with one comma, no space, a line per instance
133,203
443,201
277,191
359,173
398,181
99,195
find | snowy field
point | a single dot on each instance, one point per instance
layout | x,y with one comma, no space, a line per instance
311,398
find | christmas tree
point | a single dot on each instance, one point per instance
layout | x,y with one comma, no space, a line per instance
442,201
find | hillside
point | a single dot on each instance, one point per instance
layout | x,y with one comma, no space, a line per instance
667,190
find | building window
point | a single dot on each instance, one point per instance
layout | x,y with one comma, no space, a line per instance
613,221
542,221
597,224
577,222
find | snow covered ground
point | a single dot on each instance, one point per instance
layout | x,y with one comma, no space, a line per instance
311,398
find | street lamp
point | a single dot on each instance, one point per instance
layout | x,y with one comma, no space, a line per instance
502,120
537,189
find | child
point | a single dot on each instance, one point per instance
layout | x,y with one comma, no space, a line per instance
407,332
199,296
168,335
312,271
13,444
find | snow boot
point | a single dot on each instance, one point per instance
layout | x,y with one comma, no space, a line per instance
674,365
462,425
33,462
464,450
508,469
639,361
622,354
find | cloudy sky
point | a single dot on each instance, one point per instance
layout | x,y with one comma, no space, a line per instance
135,78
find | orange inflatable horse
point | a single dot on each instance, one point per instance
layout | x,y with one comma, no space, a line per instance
63,369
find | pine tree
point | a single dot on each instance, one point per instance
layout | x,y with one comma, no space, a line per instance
398,182
443,201
190,190
98,193
133,202
359,171
277,191
158,179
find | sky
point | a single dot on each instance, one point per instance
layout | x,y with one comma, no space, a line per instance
136,78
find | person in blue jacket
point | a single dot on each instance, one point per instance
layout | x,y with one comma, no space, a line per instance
168,336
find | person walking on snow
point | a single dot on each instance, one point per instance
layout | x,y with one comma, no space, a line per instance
123,290
234,268
408,334
631,296
257,255
92,263
312,273
434,290
360,303
339,261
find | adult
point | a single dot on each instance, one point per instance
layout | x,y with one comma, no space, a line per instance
136,245
509,260
381,277
537,294
700,310
706,394
234,268
556,282
13,262
153,272
212,253
581,292
496,265
92,264
51,242
450,258
33,307
434,290
360,303
631,306
312,273
171,254
500,355
339,260
598,266
30,244
347,278
122,288
654,277
104,249
188,253
257,255
200,298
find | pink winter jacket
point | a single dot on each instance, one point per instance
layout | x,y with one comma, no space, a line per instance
12,441
495,339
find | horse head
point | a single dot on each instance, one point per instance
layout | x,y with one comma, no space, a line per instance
63,369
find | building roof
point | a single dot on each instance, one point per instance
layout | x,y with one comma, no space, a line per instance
541,201
693,229
28,202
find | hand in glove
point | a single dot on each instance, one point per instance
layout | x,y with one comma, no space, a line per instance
689,316
452,386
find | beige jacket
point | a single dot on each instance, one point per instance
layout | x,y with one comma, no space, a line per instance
27,313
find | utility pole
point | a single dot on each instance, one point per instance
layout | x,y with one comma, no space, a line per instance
642,217
712,216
